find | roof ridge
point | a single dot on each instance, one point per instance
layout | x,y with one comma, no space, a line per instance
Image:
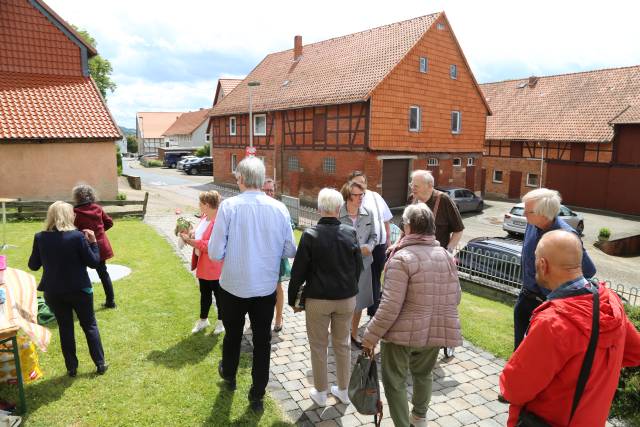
564,74
333,39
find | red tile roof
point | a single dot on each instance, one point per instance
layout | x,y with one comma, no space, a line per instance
188,122
223,88
629,116
153,124
574,107
335,71
53,107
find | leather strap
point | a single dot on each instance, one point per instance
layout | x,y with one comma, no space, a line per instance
435,207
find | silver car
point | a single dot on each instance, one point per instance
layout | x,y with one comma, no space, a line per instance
515,222
465,200
185,160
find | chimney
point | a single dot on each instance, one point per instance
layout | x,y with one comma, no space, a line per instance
532,81
297,47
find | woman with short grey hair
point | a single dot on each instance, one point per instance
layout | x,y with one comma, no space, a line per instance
90,215
329,261
418,314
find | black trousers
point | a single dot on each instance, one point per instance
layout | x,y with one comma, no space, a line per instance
260,311
63,306
207,288
379,259
101,269
525,305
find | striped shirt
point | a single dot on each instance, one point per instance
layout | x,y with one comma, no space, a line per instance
252,233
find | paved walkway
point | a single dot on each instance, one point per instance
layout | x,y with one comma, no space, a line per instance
465,390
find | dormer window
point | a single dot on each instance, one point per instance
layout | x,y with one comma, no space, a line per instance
424,64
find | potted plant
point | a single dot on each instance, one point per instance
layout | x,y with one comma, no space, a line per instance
604,234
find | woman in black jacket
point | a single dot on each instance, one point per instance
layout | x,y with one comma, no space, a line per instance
65,253
329,261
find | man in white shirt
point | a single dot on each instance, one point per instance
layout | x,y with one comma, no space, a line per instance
376,204
251,234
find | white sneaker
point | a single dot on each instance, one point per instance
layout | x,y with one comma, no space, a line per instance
417,421
341,395
318,397
219,328
200,325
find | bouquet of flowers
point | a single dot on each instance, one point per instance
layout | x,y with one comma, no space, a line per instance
182,226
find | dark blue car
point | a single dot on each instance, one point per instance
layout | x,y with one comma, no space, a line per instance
493,258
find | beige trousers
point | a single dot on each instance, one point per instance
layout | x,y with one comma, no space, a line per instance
321,314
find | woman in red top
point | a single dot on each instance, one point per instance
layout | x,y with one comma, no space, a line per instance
207,271
89,215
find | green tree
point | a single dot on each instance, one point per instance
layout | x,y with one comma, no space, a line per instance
99,68
132,144
204,151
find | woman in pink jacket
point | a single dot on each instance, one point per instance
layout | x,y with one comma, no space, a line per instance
418,314
207,271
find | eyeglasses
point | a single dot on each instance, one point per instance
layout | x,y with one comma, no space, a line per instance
269,190
357,194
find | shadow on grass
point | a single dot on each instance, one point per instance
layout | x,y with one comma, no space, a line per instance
190,351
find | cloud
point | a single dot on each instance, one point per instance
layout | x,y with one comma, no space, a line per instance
159,44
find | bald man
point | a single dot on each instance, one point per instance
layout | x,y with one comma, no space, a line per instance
543,372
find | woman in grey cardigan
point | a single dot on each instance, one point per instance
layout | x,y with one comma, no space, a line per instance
353,213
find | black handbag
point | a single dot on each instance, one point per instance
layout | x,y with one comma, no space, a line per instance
528,418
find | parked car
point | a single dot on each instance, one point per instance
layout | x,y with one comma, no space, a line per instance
201,165
148,156
465,199
492,258
172,158
185,160
515,223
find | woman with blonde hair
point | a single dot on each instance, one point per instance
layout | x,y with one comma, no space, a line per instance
207,271
64,253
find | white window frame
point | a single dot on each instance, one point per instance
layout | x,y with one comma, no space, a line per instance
418,118
440,26
233,126
458,122
207,137
529,184
471,161
494,176
459,161
432,161
453,71
424,64
234,163
255,127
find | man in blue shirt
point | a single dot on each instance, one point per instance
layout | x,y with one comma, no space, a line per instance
541,208
252,233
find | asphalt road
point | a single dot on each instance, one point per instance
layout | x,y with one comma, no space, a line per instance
172,190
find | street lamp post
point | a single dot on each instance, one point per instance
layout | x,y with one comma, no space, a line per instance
251,84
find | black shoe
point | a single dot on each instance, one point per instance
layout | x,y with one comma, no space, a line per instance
109,305
357,343
256,405
72,373
231,383
102,369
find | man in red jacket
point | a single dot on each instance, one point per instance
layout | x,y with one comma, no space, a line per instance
543,372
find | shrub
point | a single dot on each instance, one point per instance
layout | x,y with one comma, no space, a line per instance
121,196
118,160
205,151
604,233
153,163
627,398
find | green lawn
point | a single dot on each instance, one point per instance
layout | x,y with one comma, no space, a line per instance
159,373
487,324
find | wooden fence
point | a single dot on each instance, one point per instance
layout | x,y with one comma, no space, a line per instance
38,209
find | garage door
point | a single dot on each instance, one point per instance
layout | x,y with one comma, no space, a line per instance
395,181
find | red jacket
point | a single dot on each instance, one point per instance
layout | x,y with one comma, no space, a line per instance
91,216
543,372
204,266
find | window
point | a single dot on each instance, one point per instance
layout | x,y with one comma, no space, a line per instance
232,126
453,71
414,119
457,161
424,64
432,161
471,161
532,180
329,165
456,119
440,26
207,137
293,164
497,176
234,163
319,127
260,125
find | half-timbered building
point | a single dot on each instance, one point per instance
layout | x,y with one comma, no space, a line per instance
578,133
386,101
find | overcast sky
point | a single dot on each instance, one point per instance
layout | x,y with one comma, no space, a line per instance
168,55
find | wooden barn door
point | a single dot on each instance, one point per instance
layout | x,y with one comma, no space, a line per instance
470,178
395,181
515,181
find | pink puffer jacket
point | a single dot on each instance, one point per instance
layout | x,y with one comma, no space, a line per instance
419,305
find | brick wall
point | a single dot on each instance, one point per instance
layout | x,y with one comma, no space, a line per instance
506,165
32,44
